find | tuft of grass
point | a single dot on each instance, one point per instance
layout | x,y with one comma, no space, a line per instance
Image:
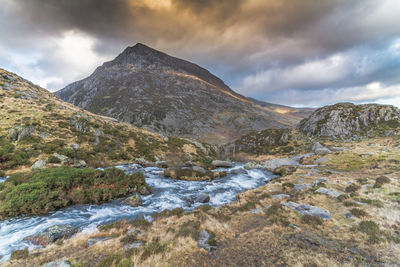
131,238
19,254
212,240
247,206
311,220
352,188
371,229
152,248
359,213
111,260
190,228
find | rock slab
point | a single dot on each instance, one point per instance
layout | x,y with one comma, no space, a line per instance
305,209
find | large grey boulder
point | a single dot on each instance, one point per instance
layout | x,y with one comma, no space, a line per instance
222,164
204,238
272,164
39,164
61,263
319,149
52,234
305,209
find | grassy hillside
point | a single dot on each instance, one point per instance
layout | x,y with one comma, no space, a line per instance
35,124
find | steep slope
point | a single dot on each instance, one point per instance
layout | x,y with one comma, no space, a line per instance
34,124
171,96
346,119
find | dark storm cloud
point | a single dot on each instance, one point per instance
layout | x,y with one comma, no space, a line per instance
265,49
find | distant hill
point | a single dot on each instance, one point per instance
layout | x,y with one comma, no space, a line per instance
171,96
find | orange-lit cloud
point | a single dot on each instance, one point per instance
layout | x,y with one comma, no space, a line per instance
268,49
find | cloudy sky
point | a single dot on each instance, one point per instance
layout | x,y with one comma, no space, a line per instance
294,52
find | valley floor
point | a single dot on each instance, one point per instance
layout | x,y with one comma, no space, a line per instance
362,196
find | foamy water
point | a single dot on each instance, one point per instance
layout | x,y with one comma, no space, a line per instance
167,194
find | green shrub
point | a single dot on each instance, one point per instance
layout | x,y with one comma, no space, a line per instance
352,188
45,190
54,159
380,181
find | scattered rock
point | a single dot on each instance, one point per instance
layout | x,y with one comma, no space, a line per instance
321,160
338,149
162,164
52,234
204,238
80,164
256,211
18,133
80,122
133,245
62,158
39,164
198,169
325,191
203,198
251,165
319,149
238,171
61,263
300,187
285,170
222,164
305,209
92,241
320,180
272,164
349,215
144,191
135,200
280,196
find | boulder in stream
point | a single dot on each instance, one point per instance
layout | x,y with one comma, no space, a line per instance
52,234
135,200
222,164
203,198
61,263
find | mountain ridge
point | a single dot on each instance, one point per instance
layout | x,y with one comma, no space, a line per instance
172,96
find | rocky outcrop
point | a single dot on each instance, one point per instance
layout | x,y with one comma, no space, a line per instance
52,234
346,120
18,133
305,209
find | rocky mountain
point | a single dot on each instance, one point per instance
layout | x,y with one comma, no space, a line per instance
346,119
37,127
171,96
